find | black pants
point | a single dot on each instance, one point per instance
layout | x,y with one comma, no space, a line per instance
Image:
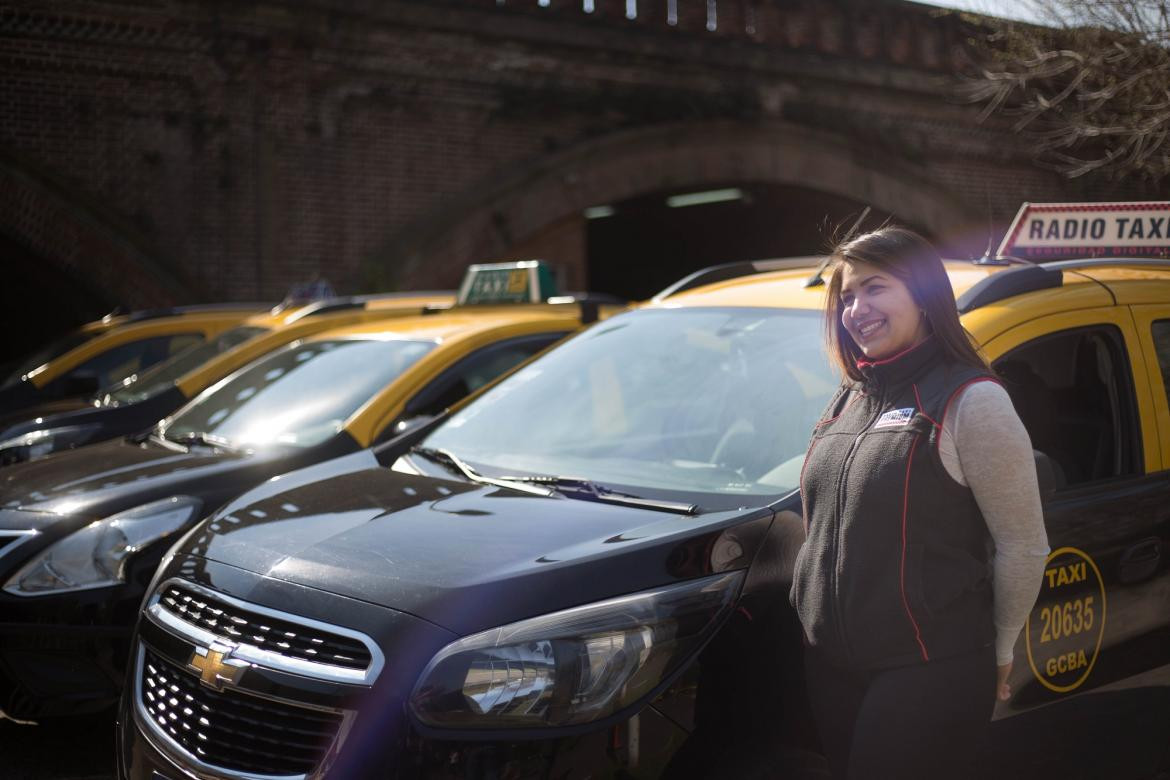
921,721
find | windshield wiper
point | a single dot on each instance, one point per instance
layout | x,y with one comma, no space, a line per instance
575,487
204,439
569,487
456,465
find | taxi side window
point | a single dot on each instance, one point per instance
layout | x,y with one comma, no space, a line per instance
117,363
475,371
182,341
1074,392
1161,332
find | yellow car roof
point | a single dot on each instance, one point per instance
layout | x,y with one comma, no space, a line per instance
785,289
1133,283
1084,284
461,322
390,302
407,301
204,322
115,320
295,323
104,324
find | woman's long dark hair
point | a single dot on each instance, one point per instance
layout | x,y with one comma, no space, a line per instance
910,258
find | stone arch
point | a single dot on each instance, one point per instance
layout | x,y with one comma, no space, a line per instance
493,216
64,230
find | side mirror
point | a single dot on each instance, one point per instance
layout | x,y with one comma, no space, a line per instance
1049,474
82,384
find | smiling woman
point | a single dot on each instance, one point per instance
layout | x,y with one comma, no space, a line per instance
904,627
888,292
879,312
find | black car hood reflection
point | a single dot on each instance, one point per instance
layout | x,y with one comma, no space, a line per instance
42,415
103,478
463,556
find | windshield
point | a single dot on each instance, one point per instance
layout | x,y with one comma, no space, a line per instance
298,396
162,376
711,405
43,355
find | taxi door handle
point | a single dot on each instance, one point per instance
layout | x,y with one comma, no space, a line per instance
1140,561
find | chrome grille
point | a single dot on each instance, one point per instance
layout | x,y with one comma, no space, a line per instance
266,632
230,730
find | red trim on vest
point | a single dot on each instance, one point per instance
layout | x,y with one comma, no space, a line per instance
905,514
918,398
954,395
891,358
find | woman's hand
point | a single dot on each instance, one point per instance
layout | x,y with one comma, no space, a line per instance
1003,691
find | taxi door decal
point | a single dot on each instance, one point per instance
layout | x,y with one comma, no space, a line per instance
1065,628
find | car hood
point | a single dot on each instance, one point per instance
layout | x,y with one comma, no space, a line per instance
120,418
108,477
463,556
33,417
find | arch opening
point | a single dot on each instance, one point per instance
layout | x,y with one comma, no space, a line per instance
40,302
638,246
539,209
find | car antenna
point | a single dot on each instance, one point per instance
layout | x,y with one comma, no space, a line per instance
815,280
988,258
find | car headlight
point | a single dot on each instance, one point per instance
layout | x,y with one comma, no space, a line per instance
41,442
95,556
574,666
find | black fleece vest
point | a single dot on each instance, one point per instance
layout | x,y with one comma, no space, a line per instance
894,570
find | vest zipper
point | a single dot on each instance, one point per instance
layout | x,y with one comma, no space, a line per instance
839,620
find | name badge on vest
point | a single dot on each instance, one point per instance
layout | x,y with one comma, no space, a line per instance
894,418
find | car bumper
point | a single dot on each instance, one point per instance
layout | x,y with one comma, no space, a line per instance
160,730
640,747
59,670
64,653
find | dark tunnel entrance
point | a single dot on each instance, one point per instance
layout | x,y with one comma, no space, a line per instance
40,301
638,246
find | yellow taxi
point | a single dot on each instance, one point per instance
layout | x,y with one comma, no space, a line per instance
142,399
262,333
1082,346
631,498
61,345
108,350
82,530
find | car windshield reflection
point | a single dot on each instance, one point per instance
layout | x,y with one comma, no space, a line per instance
717,402
162,376
298,396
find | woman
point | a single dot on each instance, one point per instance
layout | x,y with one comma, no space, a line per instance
925,540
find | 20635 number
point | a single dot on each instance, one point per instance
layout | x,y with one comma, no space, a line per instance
1067,619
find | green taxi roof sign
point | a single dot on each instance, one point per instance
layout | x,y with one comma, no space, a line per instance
525,281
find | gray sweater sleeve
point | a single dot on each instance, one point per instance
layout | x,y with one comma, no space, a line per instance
984,445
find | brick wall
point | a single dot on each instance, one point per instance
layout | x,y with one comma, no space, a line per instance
227,150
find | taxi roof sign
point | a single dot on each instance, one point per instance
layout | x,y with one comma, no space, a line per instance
1061,231
524,281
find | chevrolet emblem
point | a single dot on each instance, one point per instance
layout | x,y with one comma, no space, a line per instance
214,666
